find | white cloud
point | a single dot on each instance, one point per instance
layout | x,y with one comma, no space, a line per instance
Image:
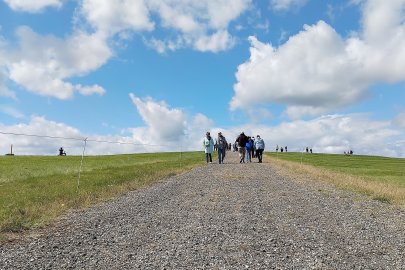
111,17
331,134
42,64
327,134
89,90
166,129
202,25
282,5
317,71
72,140
12,111
32,5
163,123
25,145
216,42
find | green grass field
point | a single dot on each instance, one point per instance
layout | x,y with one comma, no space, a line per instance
37,189
381,176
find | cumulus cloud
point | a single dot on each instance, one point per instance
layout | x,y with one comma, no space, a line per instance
43,64
32,6
326,134
202,25
331,134
318,71
164,123
53,135
111,17
283,5
218,41
165,129
25,145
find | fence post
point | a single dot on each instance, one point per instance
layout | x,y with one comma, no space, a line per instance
302,155
81,165
181,154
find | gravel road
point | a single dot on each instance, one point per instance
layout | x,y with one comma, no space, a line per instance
222,216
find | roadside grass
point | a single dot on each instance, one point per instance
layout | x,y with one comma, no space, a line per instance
380,177
34,190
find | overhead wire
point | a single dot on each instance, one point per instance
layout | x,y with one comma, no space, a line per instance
78,139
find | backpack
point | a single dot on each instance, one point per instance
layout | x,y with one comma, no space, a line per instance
221,141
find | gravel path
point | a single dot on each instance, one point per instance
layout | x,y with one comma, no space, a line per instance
229,216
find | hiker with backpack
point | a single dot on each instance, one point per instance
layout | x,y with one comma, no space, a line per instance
222,145
208,144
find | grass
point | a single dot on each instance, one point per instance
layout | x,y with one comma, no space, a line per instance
381,177
36,189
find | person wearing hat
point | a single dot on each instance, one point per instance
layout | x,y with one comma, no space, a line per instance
259,143
222,145
208,144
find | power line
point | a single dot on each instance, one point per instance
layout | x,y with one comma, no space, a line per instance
78,139
41,136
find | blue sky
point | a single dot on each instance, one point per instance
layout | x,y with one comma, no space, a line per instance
323,74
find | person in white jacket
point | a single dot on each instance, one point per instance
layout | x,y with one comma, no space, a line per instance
259,143
208,144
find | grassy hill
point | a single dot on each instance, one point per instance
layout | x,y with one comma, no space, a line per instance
381,177
36,189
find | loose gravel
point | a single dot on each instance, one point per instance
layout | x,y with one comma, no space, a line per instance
222,216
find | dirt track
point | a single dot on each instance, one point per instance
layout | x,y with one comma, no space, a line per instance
229,216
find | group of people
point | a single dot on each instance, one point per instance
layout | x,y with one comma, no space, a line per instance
282,149
248,147
348,153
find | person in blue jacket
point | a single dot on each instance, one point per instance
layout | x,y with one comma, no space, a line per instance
249,148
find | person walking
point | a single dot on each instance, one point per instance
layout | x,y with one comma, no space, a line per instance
222,145
241,141
208,144
259,148
249,150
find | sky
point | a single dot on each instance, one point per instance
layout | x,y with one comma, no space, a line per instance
156,75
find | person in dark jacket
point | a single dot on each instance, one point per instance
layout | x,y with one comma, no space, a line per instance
222,145
241,141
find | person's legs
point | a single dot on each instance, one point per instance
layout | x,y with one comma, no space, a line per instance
206,157
248,157
243,154
210,157
220,158
259,153
223,150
